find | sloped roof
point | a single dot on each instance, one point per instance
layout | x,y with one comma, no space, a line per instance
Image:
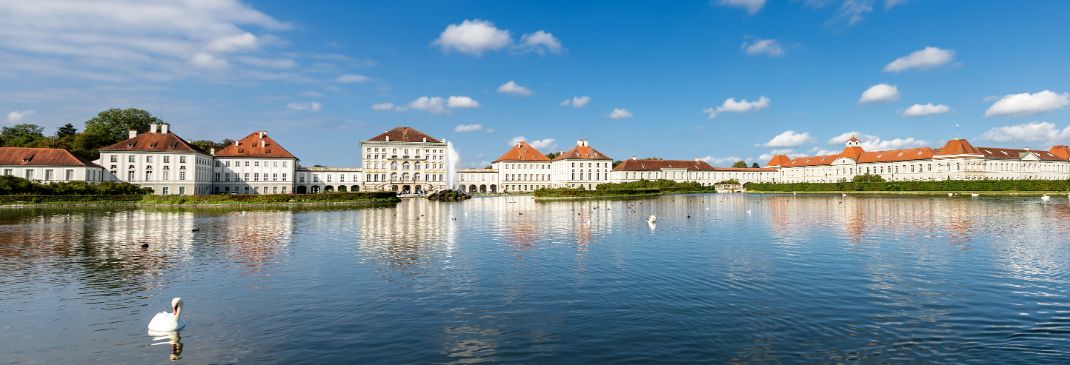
779,160
405,134
257,144
27,156
154,142
811,161
852,152
993,153
1061,151
744,169
523,151
582,151
957,147
907,154
658,165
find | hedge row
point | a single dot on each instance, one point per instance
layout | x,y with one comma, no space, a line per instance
10,185
38,199
270,198
946,185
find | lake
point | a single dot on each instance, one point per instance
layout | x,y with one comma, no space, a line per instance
721,278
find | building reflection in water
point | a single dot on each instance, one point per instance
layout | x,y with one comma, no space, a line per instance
256,238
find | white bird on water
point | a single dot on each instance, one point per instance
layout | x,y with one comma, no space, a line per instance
653,219
167,322
975,195
950,195
1045,198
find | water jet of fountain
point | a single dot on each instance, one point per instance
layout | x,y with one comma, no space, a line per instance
451,165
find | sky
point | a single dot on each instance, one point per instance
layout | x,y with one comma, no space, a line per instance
717,80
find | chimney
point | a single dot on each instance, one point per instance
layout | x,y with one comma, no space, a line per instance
212,151
154,127
262,143
164,127
425,139
133,133
388,138
261,134
235,143
634,158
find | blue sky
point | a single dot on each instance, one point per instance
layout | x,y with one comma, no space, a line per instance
310,73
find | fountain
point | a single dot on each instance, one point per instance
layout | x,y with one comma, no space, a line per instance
450,194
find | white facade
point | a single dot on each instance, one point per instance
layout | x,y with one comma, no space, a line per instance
580,167
250,175
403,160
688,171
523,176
478,181
159,160
312,180
47,165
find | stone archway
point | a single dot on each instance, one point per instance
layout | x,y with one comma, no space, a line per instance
354,188
417,189
394,188
493,189
315,189
341,188
472,189
461,188
406,189
328,189
483,189
301,189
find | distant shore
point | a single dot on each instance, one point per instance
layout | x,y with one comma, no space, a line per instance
361,198
919,193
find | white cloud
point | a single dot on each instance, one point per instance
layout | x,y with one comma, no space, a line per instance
879,93
751,6
473,37
720,160
576,101
620,113
462,102
385,107
790,152
16,117
789,138
731,105
131,39
512,88
430,104
351,78
921,110
874,143
1028,132
539,144
1026,104
540,42
767,47
928,58
311,106
461,128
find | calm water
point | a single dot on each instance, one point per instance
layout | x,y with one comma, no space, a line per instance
745,279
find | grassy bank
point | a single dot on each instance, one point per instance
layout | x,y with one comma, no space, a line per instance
641,188
201,200
987,187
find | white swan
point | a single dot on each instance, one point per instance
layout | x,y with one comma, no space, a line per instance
843,195
1045,198
653,219
167,322
950,194
975,195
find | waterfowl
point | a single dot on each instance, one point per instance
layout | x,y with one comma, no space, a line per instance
652,219
1045,198
165,321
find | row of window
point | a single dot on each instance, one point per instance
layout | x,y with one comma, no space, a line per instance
49,174
250,190
219,163
242,178
405,166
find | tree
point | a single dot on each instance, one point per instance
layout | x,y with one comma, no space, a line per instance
208,145
867,177
22,135
114,124
617,162
67,130
740,164
87,144
754,165
551,155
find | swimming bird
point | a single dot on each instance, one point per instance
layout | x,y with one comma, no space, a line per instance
652,219
748,211
144,245
1045,198
166,322
975,195
950,195
843,195
196,229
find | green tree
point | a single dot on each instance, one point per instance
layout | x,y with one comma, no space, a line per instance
551,155
22,135
114,124
208,145
87,144
740,164
754,165
67,130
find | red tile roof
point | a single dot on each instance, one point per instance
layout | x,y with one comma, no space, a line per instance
811,161
26,156
154,142
993,153
582,151
658,165
1061,151
957,147
907,154
522,152
779,160
405,134
256,144
852,152
745,169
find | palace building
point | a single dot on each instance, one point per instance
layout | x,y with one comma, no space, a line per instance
404,160
695,171
48,165
580,167
161,160
255,164
522,169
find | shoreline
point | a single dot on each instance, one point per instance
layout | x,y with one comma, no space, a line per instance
918,193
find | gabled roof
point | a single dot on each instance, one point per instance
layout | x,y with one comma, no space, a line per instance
256,144
523,152
154,142
658,165
27,156
811,161
852,152
906,154
582,151
404,134
779,160
993,153
957,146
1061,151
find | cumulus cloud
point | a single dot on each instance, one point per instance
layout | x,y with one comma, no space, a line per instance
462,128
430,104
462,102
879,93
385,107
790,152
351,79
16,117
763,47
789,138
539,144
311,106
731,105
131,39
620,113
719,160
475,37
540,42
921,110
751,6
512,88
1026,103
927,58
1044,132
576,101
874,143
